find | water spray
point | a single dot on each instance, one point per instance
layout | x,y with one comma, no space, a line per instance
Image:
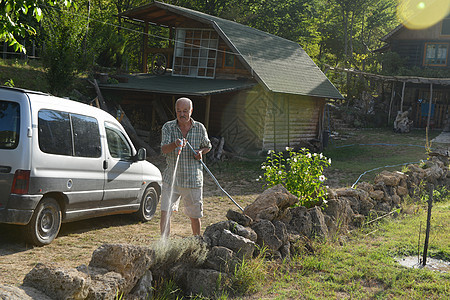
214,178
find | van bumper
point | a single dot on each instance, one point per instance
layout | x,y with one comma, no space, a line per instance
19,209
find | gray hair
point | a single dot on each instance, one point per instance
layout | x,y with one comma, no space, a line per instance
184,99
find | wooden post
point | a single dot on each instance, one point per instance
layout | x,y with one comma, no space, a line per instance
207,111
429,106
392,99
427,233
144,49
403,95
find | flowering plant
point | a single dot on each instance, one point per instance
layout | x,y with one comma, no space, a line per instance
300,172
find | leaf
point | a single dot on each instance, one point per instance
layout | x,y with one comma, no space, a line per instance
38,13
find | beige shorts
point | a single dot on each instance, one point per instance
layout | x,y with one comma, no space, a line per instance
192,200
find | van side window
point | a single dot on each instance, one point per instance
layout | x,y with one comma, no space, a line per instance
86,136
55,135
117,144
9,124
68,134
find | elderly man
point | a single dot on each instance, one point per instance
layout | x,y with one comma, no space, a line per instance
188,181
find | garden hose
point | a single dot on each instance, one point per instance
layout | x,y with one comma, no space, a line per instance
214,178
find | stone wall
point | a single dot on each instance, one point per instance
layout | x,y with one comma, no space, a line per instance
202,265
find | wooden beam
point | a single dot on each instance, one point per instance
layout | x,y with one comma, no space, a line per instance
390,103
429,107
207,111
403,96
409,79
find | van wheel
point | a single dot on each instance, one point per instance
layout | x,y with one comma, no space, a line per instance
148,204
45,223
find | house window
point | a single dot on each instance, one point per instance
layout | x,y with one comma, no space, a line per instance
435,54
195,53
228,60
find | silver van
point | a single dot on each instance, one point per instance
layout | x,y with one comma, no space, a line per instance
62,161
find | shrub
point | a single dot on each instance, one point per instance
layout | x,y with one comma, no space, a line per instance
301,173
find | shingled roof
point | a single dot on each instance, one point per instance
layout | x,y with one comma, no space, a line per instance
280,65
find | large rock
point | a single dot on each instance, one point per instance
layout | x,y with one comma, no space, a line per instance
58,283
10,292
130,261
340,211
402,124
389,178
268,205
365,186
194,281
212,233
233,236
144,288
221,259
300,221
104,284
239,218
352,193
242,246
319,227
267,236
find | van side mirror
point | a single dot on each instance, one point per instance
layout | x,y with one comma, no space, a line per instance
141,154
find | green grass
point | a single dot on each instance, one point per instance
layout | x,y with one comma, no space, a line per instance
370,149
28,74
365,267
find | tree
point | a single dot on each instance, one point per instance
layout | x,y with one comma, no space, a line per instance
11,13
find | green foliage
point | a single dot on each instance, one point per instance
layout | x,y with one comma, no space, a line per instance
11,12
63,43
9,83
301,173
166,289
249,275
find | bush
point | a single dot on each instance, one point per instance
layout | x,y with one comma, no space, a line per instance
63,39
301,173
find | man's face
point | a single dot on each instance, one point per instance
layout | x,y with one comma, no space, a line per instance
184,112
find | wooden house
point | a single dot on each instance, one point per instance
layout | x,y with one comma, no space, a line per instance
423,48
257,90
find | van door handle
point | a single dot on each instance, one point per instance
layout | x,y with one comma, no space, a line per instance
105,164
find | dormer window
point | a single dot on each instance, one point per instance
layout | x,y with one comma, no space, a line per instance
436,54
195,53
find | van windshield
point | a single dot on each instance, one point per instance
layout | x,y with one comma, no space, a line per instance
9,124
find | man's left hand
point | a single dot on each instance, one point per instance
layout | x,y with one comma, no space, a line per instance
198,156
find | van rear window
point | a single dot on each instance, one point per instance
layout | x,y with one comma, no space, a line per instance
9,124
68,134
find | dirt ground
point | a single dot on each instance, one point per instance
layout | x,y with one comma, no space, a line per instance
76,241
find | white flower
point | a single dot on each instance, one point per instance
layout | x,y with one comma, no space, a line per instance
270,152
329,161
314,154
263,167
325,201
322,178
308,155
279,172
257,179
321,155
288,149
295,159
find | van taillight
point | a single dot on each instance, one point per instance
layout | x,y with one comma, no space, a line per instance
21,182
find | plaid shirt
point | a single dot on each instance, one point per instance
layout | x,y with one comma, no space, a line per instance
190,171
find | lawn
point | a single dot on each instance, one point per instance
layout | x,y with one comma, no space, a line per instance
369,151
